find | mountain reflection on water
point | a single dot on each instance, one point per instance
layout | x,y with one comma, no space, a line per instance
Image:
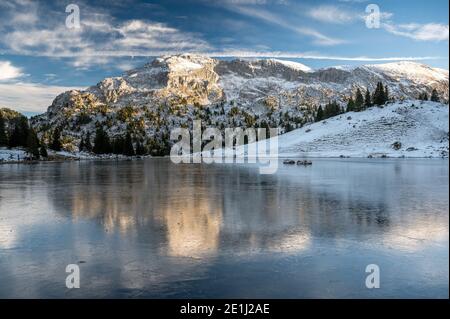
151,228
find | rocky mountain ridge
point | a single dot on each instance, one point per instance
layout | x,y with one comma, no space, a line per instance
172,91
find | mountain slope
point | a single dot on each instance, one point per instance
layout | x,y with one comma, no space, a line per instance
418,129
172,91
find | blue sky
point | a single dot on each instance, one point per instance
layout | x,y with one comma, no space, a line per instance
41,57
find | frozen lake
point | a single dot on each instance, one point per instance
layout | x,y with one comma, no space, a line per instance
153,229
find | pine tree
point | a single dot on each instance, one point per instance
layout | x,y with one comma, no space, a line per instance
128,149
43,151
375,96
287,128
434,96
33,144
3,136
319,115
140,149
87,142
336,108
351,105
81,146
102,144
56,144
117,145
14,137
386,94
382,95
332,109
24,130
359,100
20,131
368,99
379,96
423,96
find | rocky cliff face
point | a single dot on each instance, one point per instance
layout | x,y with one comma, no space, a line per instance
171,91
182,79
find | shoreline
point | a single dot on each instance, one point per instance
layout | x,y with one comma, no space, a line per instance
134,158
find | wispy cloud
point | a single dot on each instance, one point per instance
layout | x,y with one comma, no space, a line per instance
98,38
342,15
332,14
102,37
9,71
267,16
420,32
314,56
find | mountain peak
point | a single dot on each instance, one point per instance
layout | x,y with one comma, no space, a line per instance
417,71
294,65
183,62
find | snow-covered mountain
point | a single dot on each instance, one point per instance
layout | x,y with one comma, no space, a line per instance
171,91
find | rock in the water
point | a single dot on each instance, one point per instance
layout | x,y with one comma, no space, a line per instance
304,163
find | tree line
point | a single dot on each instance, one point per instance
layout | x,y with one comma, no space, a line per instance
104,145
361,102
434,96
357,103
18,133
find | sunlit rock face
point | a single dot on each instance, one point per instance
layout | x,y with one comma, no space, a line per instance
114,88
192,79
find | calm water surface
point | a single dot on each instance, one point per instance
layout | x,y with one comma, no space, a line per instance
153,229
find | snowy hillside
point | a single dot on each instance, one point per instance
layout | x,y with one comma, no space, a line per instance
409,129
411,70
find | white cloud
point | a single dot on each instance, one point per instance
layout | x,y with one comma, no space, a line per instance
98,39
102,38
127,65
314,56
8,71
338,15
140,35
420,32
29,97
331,14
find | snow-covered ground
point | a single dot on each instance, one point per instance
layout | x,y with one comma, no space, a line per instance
419,129
17,155
91,156
11,155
